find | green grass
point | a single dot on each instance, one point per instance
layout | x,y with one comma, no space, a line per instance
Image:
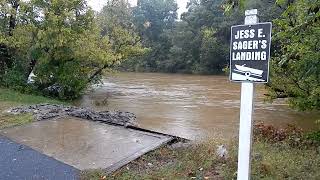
279,161
269,161
9,99
7,120
197,161
7,95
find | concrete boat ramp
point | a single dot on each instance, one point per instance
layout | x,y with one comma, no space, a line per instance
65,146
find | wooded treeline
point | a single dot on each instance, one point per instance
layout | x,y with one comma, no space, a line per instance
198,43
68,46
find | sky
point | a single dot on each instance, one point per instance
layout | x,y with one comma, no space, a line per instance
98,4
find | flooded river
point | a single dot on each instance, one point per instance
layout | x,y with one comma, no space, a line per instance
189,106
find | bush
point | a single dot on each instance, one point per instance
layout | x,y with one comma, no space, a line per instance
15,79
273,134
291,135
314,136
65,81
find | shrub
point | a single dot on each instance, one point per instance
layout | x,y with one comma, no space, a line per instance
273,134
291,135
314,136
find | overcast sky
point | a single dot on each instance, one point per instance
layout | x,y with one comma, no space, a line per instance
98,4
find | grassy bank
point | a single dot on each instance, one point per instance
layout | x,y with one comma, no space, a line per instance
279,159
9,98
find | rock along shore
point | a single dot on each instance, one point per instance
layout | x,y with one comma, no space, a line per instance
49,111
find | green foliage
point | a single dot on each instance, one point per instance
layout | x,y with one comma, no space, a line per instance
116,22
15,79
62,43
14,76
295,64
153,20
197,43
198,35
314,136
153,17
295,71
68,48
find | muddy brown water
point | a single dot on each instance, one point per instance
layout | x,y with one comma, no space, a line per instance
189,106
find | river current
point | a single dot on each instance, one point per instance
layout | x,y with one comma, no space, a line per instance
189,106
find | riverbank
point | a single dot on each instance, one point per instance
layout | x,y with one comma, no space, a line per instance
72,135
277,154
19,109
10,99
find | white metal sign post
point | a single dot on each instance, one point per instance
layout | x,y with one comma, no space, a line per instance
249,64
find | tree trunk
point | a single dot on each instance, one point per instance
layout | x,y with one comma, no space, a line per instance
99,71
13,17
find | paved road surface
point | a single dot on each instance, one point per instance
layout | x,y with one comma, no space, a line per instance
19,162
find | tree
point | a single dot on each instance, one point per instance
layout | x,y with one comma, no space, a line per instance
62,43
153,19
295,65
116,23
13,66
200,38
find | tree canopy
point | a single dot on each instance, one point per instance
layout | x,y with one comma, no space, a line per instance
62,43
196,43
296,60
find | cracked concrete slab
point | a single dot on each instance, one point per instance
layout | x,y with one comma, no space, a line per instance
86,144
